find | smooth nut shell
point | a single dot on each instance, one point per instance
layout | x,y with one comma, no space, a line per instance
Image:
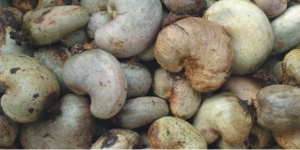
100,75
174,133
193,43
141,111
249,29
48,25
288,139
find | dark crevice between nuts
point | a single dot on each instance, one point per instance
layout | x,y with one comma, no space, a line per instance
172,17
19,37
249,108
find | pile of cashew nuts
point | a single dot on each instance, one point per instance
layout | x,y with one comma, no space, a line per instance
150,74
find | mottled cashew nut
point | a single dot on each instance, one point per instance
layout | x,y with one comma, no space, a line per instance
174,133
29,88
73,128
224,115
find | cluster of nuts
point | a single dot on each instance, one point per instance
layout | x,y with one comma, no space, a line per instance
162,74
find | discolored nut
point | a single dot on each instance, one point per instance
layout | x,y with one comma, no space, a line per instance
48,25
9,45
24,5
272,8
249,29
117,139
174,133
184,102
284,29
133,29
72,128
184,6
11,16
141,111
8,131
193,43
243,87
54,57
223,115
290,73
138,78
100,75
277,108
29,87
288,139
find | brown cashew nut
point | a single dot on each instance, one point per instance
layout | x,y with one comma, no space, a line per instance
200,47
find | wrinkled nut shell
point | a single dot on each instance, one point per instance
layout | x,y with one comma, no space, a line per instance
174,133
193,44
278,107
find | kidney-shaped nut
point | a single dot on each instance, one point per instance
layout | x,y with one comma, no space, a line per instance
117,139
272,8
249,29
174,133
285,29
288,139
133,29
138,77
290,68
29,87
48,25
278,107
141,111
184,6
8,131
183,100
223,115
193,43
100,75
73,128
